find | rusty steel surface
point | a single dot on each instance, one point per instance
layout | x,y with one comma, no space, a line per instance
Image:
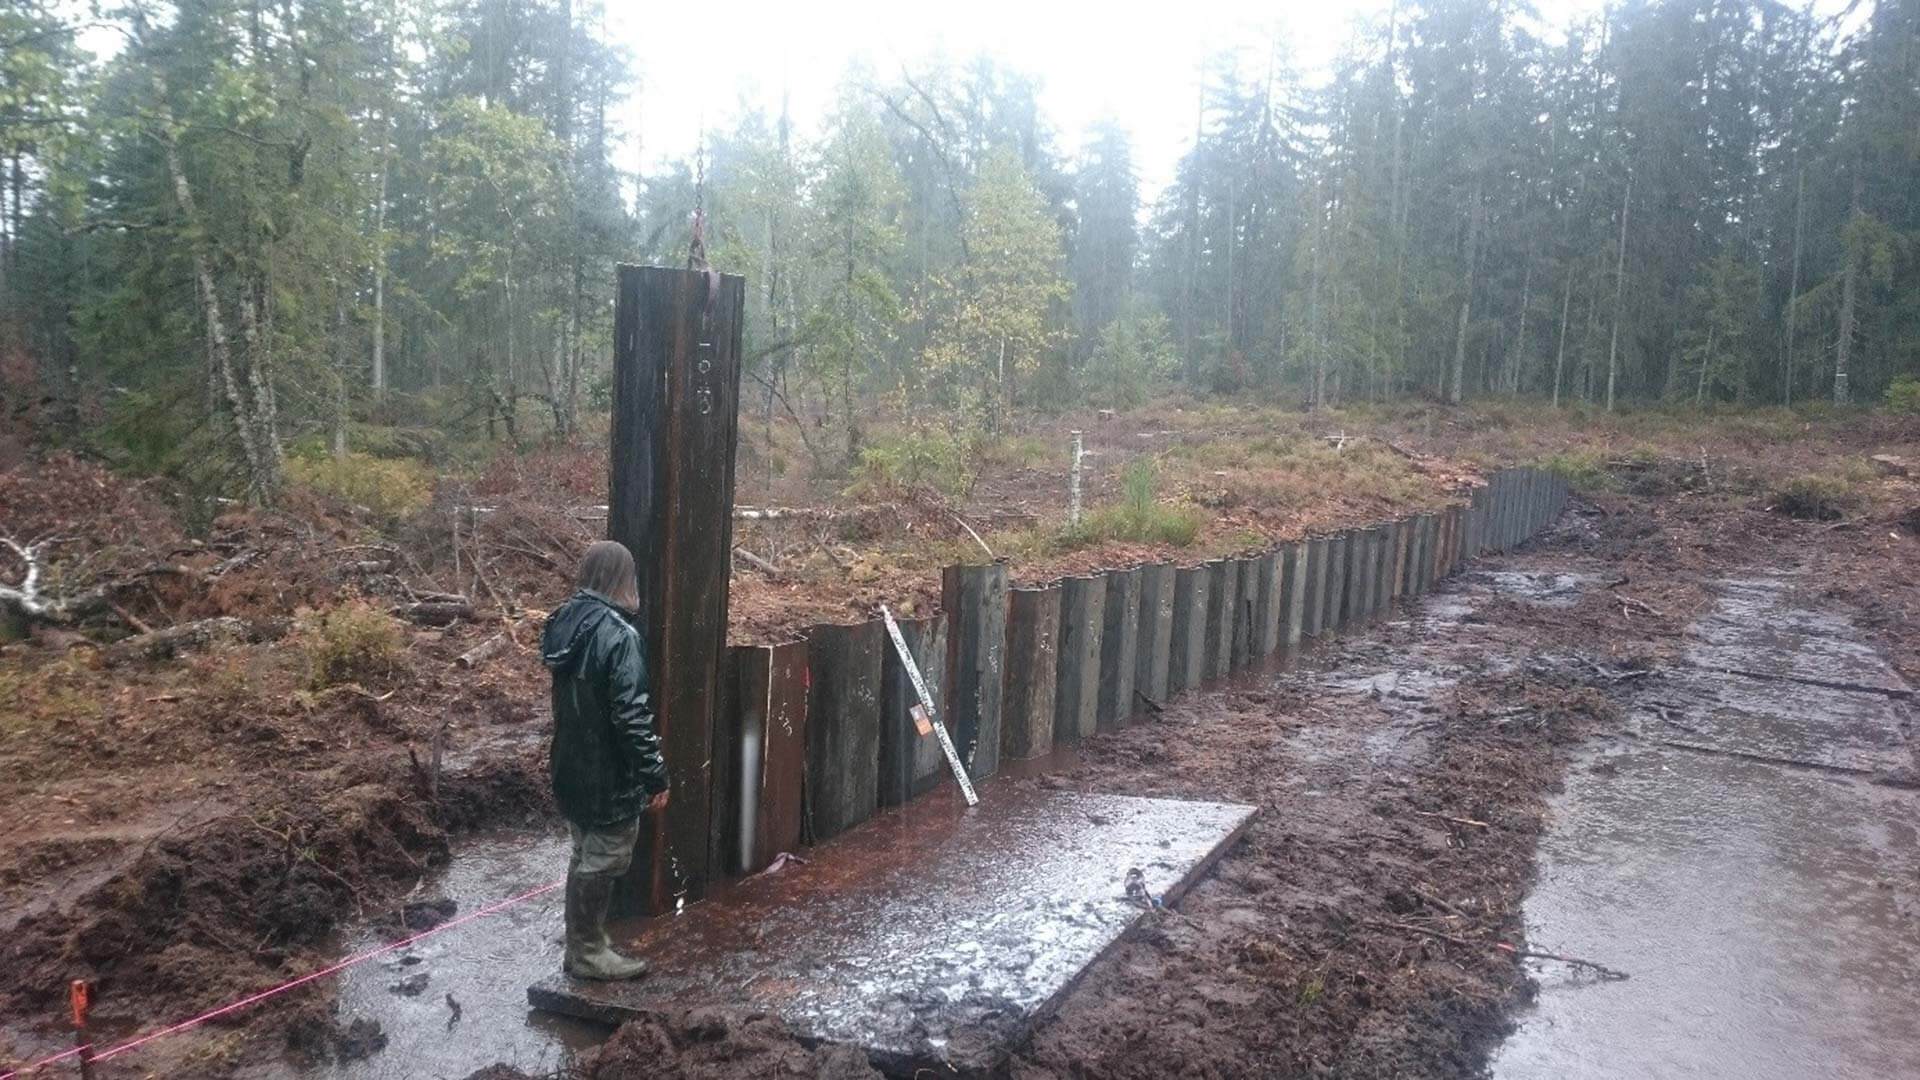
974,601
1313,617
1187,667
1119,649
1333,608
676,395
1026,709
1269,598
1293,599
1223,594
911,763
1076,697
1154,648
932,936
843,728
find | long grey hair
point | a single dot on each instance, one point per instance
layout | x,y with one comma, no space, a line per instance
607,568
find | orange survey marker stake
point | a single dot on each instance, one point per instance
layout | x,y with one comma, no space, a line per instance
80,998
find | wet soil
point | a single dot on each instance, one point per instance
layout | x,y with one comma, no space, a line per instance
140,791
1402,778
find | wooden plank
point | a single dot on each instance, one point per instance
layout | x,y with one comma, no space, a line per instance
1293,594
843,726
1153,652
1033,655
1187,668
1119,648
910,763
676,383
1076,701
974,599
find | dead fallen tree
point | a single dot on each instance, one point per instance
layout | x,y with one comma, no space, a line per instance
435,609
28,599
171,641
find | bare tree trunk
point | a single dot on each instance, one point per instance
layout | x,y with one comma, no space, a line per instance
1843,348
1233,196
341,352
1519,350
1619,291
1793,287
1706,364
1193,243
1560,356
379,377
10,264
1318,397
263,470
1456,390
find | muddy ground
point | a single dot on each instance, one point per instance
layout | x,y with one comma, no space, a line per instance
187,830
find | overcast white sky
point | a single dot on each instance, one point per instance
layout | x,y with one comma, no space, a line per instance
1136,62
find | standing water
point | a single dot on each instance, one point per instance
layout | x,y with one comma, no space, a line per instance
1741,862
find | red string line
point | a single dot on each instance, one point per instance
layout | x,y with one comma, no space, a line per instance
142,1040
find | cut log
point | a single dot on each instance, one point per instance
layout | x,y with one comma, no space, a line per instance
161,644
482,652
435,612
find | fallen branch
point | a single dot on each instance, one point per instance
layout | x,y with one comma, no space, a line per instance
482,652
755,561
1455,820
1809,680
1602,970
1627,602
976,536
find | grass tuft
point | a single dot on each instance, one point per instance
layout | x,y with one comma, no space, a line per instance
1825,496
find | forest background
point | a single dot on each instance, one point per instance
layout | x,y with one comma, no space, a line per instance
266,243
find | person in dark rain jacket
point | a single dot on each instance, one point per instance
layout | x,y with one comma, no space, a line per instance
607,769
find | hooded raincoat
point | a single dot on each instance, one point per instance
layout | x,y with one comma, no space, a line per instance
606,748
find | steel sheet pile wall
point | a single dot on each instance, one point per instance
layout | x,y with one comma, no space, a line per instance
813,736
1033,640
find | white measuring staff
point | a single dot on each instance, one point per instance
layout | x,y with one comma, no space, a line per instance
926,703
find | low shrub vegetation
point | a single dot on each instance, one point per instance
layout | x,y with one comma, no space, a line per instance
392,488
353,643
924,459
1903,396
1583,470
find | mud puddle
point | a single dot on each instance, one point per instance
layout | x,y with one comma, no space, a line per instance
1740,862
485,966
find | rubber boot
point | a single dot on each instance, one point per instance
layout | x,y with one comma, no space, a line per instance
589,954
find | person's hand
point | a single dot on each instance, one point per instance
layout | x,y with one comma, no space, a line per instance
658,803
